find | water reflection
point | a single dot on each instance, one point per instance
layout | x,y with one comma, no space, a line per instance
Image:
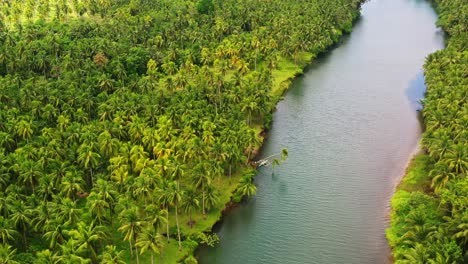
350,125
415,91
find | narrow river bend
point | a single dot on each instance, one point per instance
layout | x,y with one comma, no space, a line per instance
350,125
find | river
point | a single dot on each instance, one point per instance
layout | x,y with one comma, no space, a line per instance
350,125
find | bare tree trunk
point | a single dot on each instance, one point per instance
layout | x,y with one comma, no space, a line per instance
167,225
178,229
203,204
91,178
136,253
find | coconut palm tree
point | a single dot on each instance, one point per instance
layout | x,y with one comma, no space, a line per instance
190,202
175,198
456,159
71,253
24,129
246,186
112,256
46,257
72,183
441,175
98,207
164,192
416,255
89,159
155,216
211,197
87,237
21,217
151,240
201,179
131,227
54,233
29,173
7,231
7,254
68,212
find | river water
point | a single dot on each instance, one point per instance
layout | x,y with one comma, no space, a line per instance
350,125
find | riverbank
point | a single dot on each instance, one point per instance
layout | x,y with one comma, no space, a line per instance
430,206
350,130
283,76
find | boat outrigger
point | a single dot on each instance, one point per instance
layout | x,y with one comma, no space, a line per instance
270,159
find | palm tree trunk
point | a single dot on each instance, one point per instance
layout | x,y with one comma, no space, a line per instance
91,178
93,254
167,224
256,55
25,241
131,250
203,203
136,253
152,258
190,218
111,218
178,229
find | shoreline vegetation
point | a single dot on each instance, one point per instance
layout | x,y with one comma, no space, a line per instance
127,127
429,217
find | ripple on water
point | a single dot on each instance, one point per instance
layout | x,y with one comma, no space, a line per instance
350,126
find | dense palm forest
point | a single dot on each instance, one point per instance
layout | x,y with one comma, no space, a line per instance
430,209
126,126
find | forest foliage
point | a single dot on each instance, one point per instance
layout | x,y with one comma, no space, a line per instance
429,222
130,120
